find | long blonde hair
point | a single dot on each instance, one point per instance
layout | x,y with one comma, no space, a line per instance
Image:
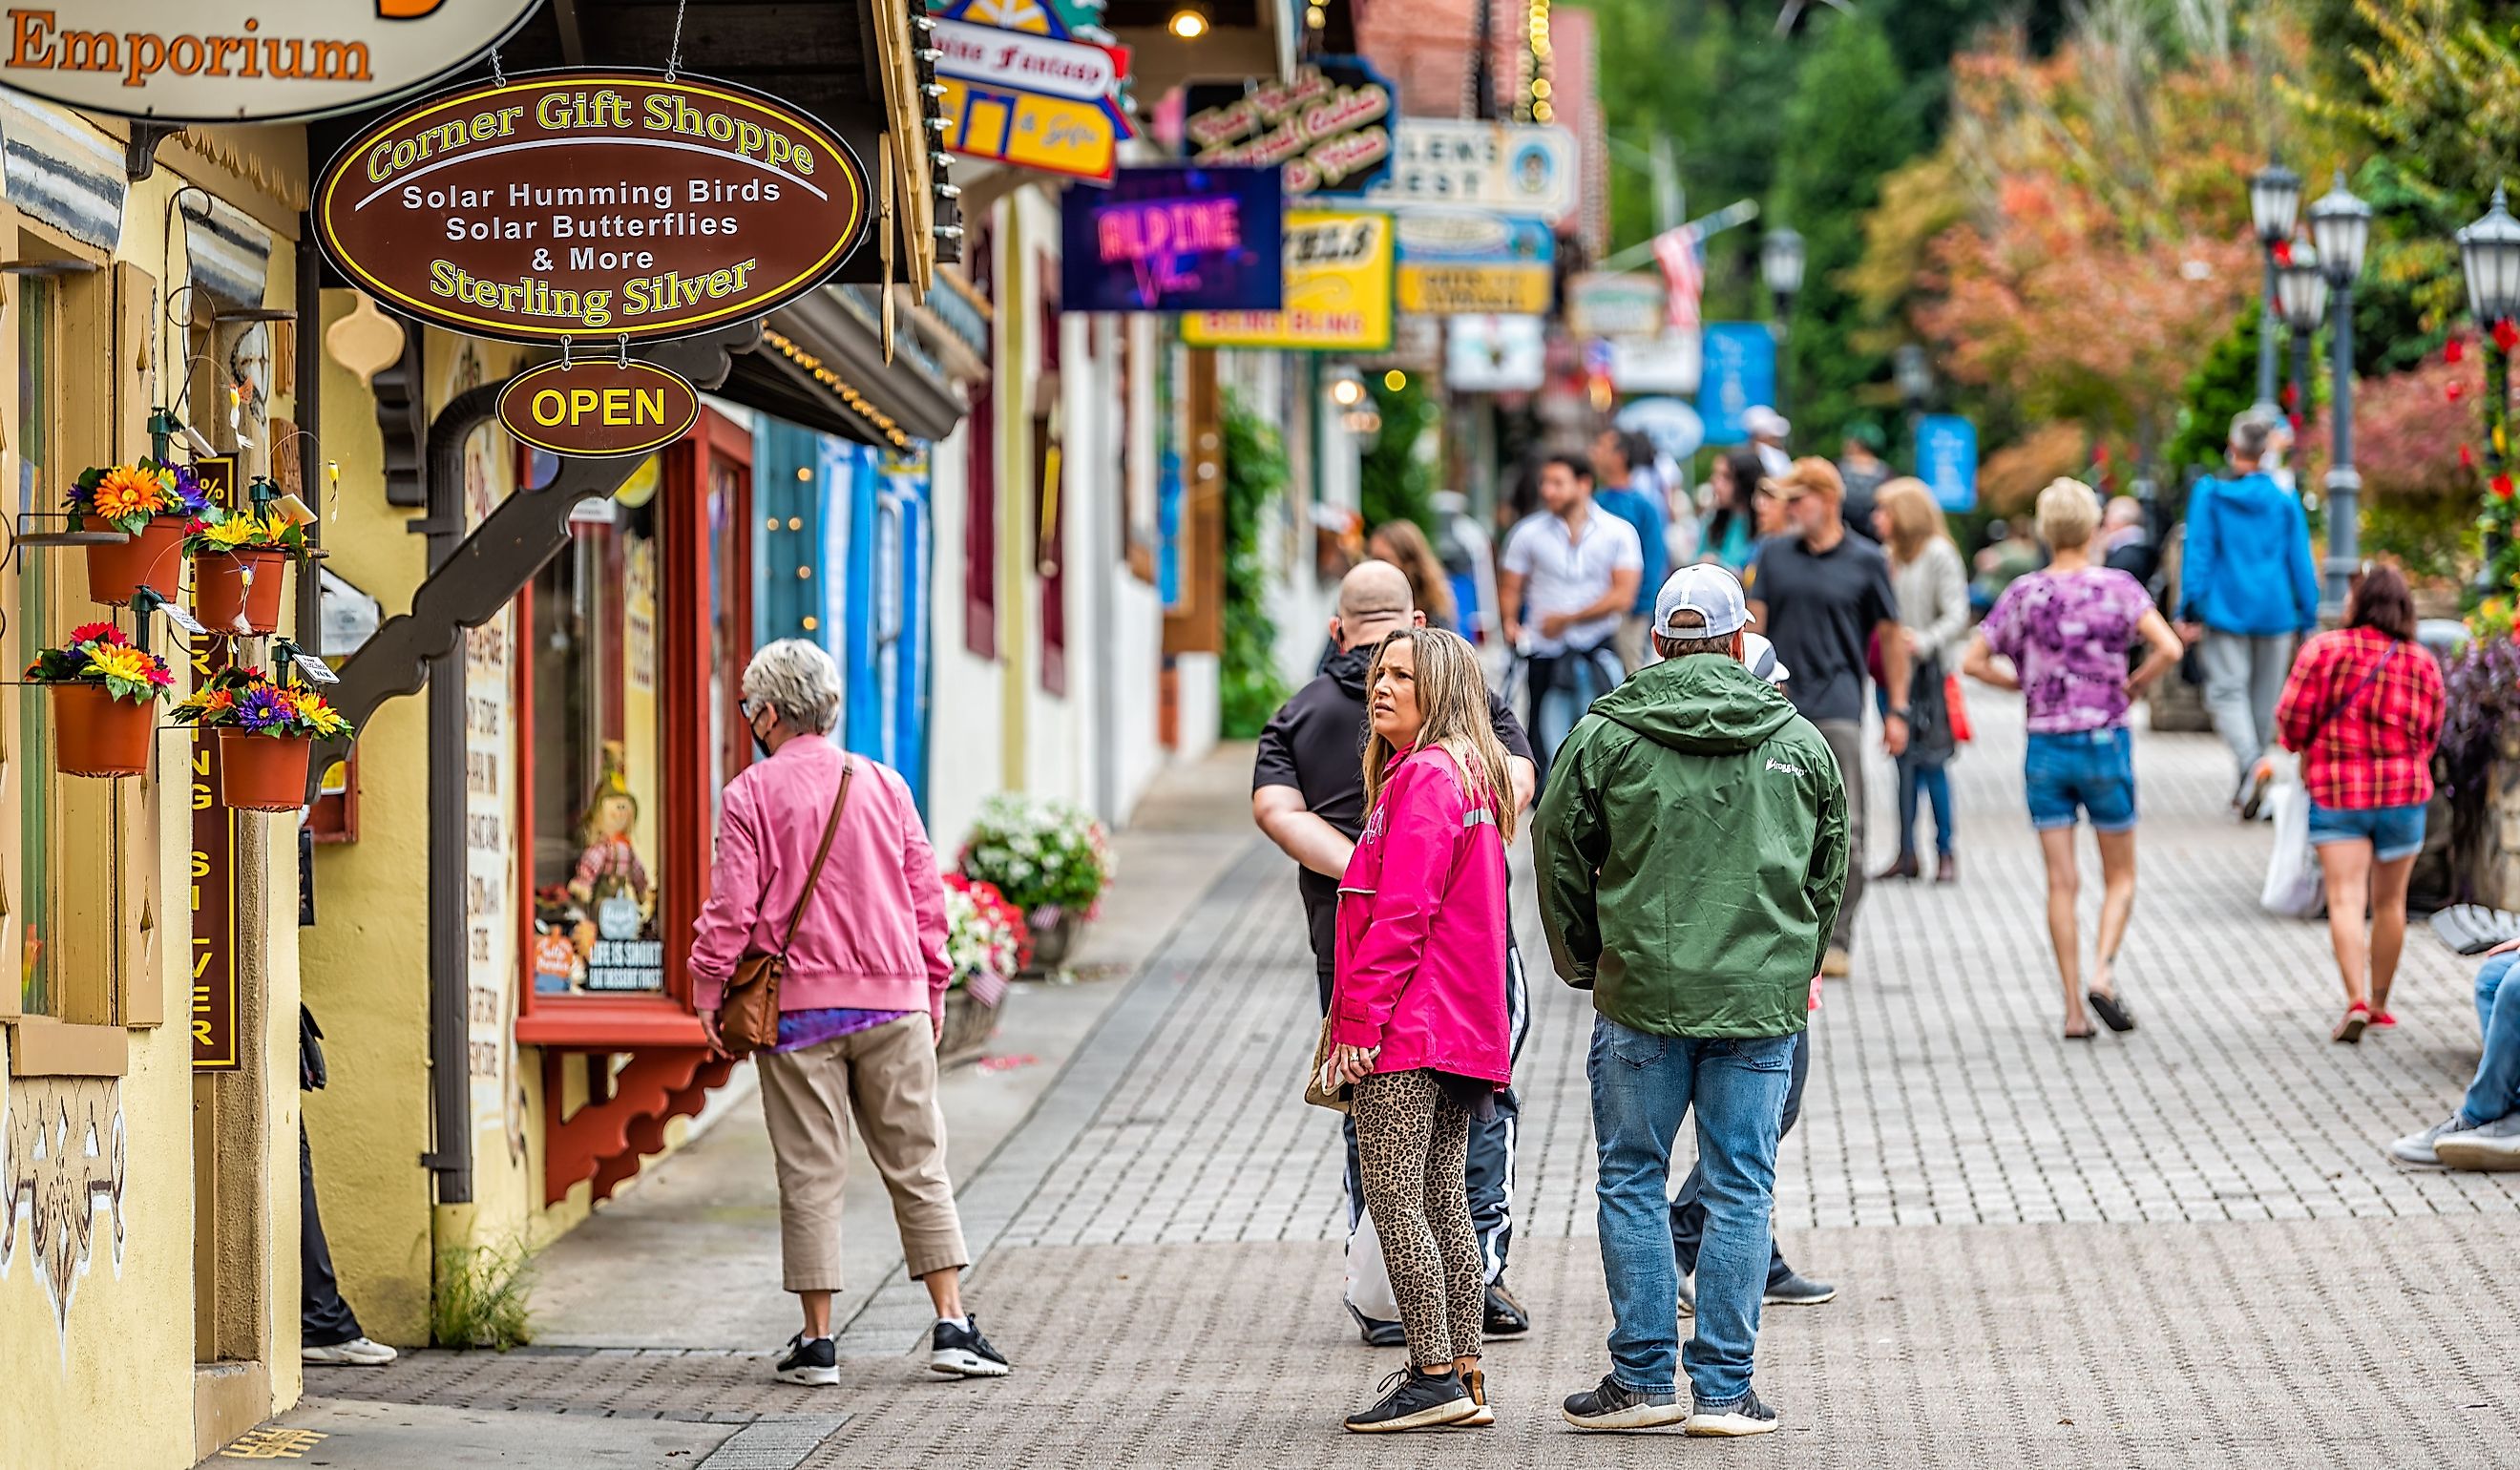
1453,696
1416,558
1915,518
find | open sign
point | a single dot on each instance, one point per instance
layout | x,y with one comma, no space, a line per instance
598,410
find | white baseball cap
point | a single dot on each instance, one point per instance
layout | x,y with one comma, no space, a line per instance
1761,421
1760,657
1707,589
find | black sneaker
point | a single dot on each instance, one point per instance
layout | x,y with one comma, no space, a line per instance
1411,1400
1378,1332
1794,1289
962,1353
1742,1416
1505,1315
1614,1406
813,1364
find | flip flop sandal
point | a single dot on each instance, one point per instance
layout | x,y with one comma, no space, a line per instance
2111,1010
2084,1034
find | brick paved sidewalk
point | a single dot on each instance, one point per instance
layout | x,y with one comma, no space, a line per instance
2179,1247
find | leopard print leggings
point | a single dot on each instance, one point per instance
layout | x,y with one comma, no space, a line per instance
1411,1140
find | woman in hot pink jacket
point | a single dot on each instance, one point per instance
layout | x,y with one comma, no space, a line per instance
1418,1011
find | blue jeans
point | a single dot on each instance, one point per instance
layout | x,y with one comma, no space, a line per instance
2396,833
1934,783
1562,689
2496,1093
1689,1207
1643,1086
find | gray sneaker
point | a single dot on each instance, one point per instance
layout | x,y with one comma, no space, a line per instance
2417,1147
1798,1291
2496,1145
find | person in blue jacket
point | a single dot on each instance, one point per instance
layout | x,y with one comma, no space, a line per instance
1617,456
2247,590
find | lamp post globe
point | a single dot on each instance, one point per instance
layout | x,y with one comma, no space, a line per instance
2274,202
2301,287
2489,254
2341,224
1780,262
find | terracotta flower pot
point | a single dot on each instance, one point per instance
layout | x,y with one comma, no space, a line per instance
151,556
262,772
239,591
94,734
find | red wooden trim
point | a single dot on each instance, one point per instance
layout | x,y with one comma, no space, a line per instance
682,605
980,524
606,1142
609,1023
614,613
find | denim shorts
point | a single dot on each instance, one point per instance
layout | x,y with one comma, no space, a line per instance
2394,832
2086,771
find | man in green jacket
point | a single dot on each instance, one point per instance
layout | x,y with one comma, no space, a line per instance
1692,847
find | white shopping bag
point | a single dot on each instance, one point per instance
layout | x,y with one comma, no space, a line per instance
1369,1281
2294,886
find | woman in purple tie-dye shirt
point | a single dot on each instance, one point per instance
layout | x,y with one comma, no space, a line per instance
2062,635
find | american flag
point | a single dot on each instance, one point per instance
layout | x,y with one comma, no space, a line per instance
1683,278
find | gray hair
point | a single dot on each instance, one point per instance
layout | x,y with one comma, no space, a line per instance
799,683
2250,432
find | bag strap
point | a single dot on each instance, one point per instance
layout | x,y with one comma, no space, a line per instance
2353,695
814,874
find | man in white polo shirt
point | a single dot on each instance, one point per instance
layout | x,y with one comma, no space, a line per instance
1568,573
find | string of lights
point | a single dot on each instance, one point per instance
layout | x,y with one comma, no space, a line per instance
849,395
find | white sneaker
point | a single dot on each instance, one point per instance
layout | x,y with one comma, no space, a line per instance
2496,1145
357,1352
2417,1148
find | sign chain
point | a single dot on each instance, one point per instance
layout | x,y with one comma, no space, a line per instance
674,57
498,72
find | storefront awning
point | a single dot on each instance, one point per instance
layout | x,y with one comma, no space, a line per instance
822,365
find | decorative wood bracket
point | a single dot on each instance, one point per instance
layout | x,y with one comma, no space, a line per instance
402,415
606,1140
140,155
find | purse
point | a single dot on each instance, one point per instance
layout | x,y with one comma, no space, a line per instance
748,1014
1336,1099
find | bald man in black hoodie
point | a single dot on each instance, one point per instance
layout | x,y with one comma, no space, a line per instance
1308,795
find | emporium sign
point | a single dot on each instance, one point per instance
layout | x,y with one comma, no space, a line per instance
1327,126
598,410
245,61
590,203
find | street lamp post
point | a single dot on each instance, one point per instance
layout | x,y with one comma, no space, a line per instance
2301,301
2488,255
2274,202
2341,223
1780,266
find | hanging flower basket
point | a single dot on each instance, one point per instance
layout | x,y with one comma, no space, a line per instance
262,772
266,732
240,568
149,558
239,591
149,502
105,701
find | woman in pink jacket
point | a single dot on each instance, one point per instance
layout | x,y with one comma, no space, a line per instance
1418,1011
860,1010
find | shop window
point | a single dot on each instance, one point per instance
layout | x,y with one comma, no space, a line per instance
597,676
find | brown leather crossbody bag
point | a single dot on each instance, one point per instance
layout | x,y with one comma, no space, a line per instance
748,1014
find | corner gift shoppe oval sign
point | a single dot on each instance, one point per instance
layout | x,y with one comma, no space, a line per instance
595,205
243,61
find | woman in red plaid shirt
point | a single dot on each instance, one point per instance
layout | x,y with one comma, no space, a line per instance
2363,708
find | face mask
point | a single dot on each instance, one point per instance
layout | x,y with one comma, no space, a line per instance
759,745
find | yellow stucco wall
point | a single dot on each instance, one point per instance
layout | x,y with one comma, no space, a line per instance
97,1249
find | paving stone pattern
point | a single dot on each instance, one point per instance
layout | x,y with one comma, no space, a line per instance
2183,1247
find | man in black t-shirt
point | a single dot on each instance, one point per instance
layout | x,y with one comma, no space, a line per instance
1822,597
1308,795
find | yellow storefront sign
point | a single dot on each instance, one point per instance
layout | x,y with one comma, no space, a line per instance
1339,269
1452,291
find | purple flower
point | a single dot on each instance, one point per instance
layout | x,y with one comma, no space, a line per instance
258,709
189,491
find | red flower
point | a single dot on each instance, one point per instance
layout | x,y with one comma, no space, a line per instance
2282,250
2466,458
2453,350
2503,487
2456,390
2507,335
97,633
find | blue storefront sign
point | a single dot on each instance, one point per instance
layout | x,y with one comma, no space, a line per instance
1947,460
1739,374
1175,239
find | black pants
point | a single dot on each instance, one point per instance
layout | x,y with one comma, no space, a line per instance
1493,1140
324,1316
1688,1211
